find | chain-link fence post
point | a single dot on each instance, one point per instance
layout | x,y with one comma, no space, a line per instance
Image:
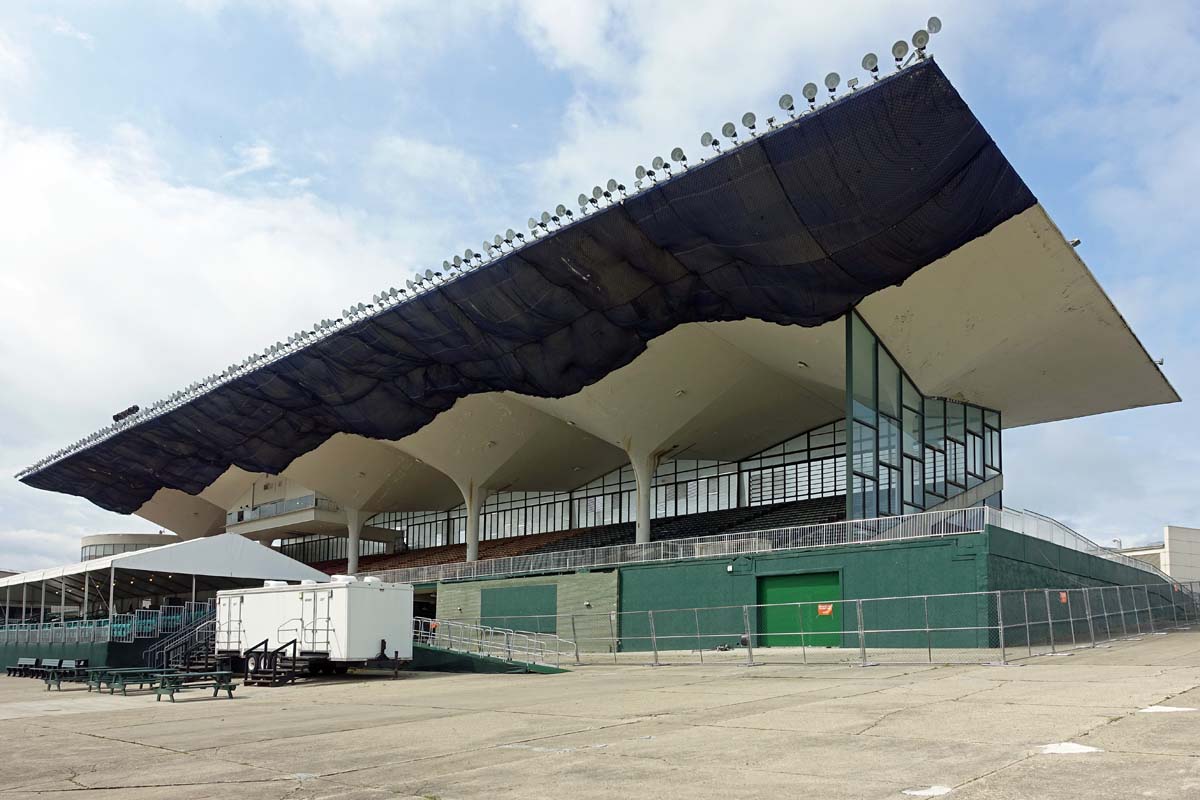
1000,625
612,634
1087,610
800,620
1121,611
1049,620
1071,619
1104,613
749,636
1149,606
699,644
653,636
862,635
1028,635
1174,608
575,639
928,639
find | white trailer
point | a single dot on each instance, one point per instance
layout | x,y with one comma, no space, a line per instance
333,625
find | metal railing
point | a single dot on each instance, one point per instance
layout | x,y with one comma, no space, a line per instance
279,507
142,624
830,534
476,639
974,627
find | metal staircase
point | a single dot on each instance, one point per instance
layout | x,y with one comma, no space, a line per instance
191,646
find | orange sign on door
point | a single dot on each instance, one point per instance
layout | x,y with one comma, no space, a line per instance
824,609
1062,597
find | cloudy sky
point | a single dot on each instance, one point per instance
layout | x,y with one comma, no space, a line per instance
181,184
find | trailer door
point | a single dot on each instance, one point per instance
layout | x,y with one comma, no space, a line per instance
315,620
229,623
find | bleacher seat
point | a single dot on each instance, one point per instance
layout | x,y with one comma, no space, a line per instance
711,523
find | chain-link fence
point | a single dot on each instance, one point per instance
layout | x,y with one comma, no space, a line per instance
971,628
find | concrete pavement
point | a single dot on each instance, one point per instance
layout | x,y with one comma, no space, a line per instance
719,731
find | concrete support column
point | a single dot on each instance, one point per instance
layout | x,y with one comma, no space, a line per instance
354,523
193,588
112,586
644,465
83,611
474,497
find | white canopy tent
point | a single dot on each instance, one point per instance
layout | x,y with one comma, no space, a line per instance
173,570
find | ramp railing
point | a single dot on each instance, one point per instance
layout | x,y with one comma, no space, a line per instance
503,643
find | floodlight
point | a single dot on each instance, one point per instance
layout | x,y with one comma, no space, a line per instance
729,131
429,273
810,94
446,265
509,235
497,241
899,51
658,162
583,200
870,62
831,82
468,255
561,210
545,218
597,193
409,284
678,156
920,40
532,223
706,140
612,185
852,84
934,25
748,120
458,262
639,172
786,103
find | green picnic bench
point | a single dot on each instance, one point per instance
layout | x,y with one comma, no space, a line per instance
68,670
122,678
172,682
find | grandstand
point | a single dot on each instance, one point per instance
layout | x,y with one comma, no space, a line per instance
794,358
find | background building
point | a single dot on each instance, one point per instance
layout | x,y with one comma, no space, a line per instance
1178,554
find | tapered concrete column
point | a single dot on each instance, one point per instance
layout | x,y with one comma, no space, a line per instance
474,498
644,465
354,523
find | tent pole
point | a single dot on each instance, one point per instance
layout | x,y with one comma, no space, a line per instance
42,610
24,613
193,588
7,592
84,610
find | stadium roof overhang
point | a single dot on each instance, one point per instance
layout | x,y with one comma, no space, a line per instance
699,317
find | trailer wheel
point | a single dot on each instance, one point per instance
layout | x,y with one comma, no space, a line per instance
341,669
252,664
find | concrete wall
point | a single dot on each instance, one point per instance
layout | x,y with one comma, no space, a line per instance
1181,557
589,597
1016,561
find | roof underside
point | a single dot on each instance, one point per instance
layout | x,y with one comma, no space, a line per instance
794,227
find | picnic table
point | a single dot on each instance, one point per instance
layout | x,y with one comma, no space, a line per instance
172,682
67,670
122,678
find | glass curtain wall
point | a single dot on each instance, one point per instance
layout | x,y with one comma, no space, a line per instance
908,452
809,465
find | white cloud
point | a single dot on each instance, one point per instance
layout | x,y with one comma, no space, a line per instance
61,27
14,61
252,158
121,285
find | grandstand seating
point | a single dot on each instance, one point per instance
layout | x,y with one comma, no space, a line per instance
711,523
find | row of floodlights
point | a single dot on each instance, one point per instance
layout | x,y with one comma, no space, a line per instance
502,244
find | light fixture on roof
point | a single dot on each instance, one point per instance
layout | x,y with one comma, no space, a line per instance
584,201
707,140
563,211
748,122
831,83
679,157
729,131
934,25
810,94
870,63
852,84
787,104
509,236
899,51
920,41
659,165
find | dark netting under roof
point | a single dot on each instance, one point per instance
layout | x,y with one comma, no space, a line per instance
795,227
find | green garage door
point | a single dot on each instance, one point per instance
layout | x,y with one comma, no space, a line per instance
780,625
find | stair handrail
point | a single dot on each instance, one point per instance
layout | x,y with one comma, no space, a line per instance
155,653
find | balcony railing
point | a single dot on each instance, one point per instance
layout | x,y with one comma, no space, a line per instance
279,507
831,534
